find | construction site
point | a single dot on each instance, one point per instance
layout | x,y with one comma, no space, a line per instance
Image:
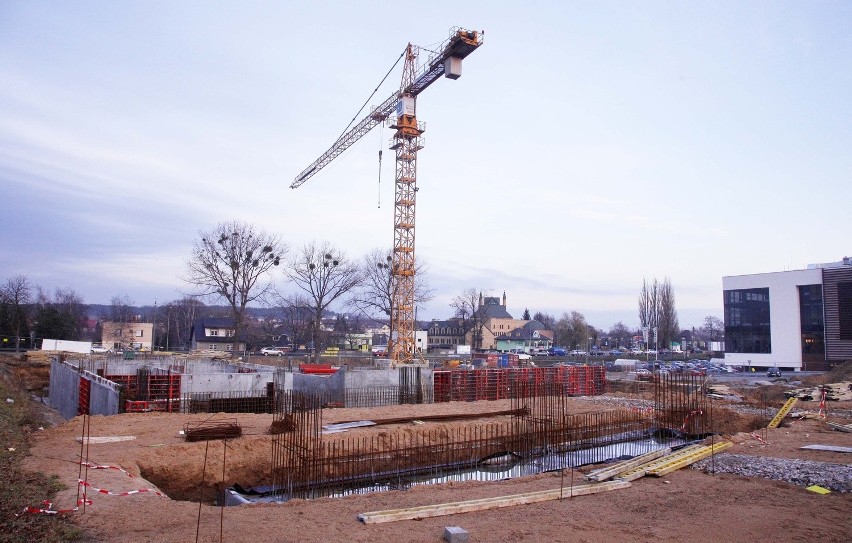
191,448
497,456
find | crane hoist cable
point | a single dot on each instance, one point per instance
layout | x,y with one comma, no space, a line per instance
367,101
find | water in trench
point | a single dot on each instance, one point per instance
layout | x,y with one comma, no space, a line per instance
496,468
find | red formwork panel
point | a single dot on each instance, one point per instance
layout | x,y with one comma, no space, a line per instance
85,389
164,392
441,386
130,383
317,369
500,383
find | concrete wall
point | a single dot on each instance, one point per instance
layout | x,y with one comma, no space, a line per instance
366,378
322,384
64,394
103,395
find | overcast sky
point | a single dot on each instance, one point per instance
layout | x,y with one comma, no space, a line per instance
586,146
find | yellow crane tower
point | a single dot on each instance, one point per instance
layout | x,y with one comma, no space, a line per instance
406,142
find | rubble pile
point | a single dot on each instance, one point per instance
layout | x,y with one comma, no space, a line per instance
836,477
835,392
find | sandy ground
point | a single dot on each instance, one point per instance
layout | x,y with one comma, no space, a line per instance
687,505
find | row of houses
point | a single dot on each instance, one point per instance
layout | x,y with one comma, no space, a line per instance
497,330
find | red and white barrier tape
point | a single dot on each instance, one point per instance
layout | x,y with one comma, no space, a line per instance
757,437
98,466
48,510
125,493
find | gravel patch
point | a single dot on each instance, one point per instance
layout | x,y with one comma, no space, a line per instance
837,477
634,403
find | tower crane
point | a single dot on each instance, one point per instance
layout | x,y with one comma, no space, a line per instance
447,61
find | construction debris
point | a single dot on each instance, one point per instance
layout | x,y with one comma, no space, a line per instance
455,534
829,448
835,392
840,427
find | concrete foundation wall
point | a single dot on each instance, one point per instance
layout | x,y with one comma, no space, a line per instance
320,384
357,378
254,383
64,392
103,395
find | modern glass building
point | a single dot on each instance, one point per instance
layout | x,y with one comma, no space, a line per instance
793,320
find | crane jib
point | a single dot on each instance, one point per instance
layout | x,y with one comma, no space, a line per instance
460,44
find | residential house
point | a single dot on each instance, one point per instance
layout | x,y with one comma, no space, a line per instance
215,334
530,337
124,336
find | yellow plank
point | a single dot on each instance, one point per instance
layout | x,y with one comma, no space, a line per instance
625,465
785,409
452,508
704,452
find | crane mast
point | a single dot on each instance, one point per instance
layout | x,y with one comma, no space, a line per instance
406,142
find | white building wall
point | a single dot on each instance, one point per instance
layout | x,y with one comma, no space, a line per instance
784,318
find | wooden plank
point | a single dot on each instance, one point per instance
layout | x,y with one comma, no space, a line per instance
642,470
605,473
106,439
695,456
786,408
452,508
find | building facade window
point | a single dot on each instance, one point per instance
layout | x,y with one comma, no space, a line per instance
844,309
813,328
747,321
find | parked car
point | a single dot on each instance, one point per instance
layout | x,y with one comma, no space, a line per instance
100,349
271,351
616,352
578,352
557,351
773,372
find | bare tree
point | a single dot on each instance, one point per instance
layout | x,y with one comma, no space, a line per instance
230,263
296,319
466,307
59,316
573,330
324,276
375,296
15,298
712,328
179,316
121,309
548,320
621,333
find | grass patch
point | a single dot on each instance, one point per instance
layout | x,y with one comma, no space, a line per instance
21,488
